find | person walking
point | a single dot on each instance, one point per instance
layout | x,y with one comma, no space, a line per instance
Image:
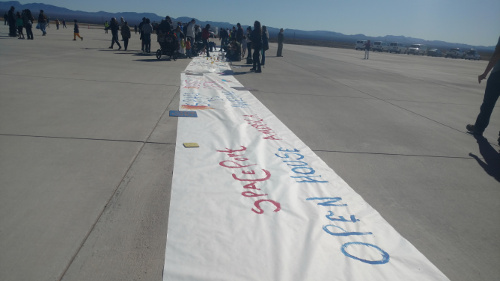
64,23
491,94
42,21
19,25
281,39
57,23
367,49
265,44
125,34
106,27
114,33
257,46
76,32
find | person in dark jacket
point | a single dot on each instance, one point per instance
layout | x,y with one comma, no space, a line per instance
281,39
125,34
257,46
28,23
265,44
113,25
11,19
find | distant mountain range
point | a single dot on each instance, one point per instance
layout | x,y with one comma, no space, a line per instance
55,12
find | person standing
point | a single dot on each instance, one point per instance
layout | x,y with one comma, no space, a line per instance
28,23
205,35
11,19
147,29
249,45
367,49
125,34
491,94
239,33
76,32
265,44
257,46
281,39
57,23
190,31
64,23
19,25
114,33
42,21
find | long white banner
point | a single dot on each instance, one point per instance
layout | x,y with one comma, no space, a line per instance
253,202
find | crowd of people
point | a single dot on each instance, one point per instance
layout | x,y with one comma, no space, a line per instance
189,39
19,22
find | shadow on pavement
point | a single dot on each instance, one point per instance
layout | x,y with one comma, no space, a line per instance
491,156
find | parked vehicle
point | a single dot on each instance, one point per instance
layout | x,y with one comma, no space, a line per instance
472,55
417,49
380,46
455,53
360,45
396,47
434,53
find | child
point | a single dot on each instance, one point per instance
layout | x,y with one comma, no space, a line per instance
19,25
76,32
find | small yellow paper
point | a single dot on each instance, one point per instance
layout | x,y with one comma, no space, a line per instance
190,145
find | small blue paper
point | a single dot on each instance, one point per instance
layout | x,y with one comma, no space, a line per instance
179,113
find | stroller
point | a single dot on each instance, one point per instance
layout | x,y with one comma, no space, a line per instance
196,48
169,45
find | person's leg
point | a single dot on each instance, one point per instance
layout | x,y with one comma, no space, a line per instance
256,60
491,95
118,42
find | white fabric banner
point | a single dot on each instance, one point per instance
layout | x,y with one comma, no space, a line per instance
253,202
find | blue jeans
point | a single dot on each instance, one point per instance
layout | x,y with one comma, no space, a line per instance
490,98
42,27
263,62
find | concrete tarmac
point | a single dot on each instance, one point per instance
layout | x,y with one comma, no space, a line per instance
86,150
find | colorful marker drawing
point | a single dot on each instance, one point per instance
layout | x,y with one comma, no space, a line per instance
196,107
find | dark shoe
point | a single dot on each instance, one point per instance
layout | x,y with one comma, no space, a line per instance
119,48
81,38
258,71
74,39
252,69
472,130
498,138
111,47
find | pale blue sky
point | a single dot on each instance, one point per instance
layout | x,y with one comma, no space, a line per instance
475,22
